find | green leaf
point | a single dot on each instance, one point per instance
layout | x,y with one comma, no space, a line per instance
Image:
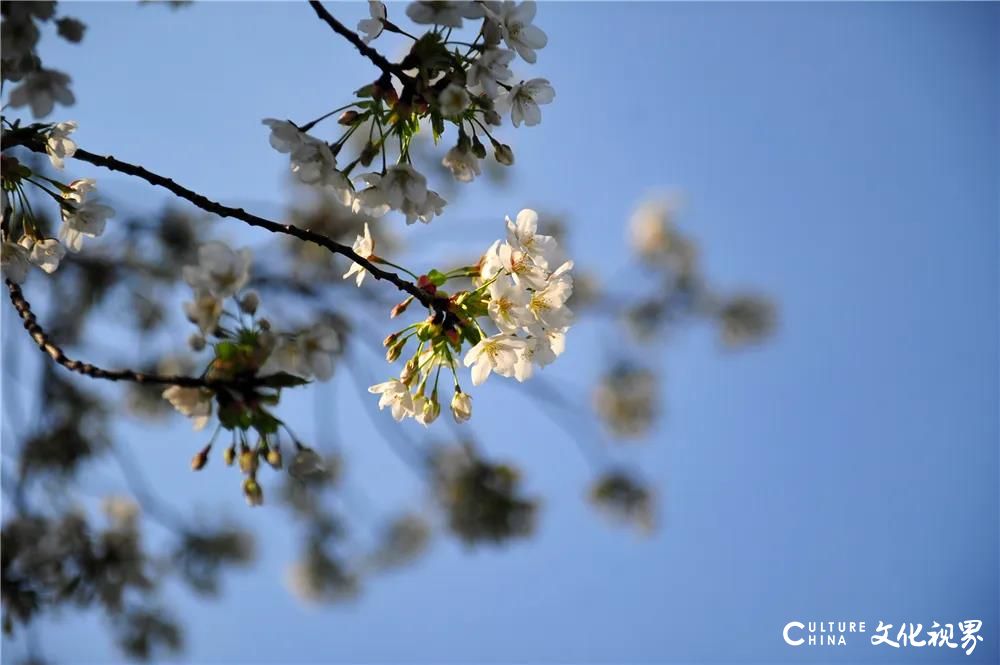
283,380
471,333
225,350
264,422
437,126
437,277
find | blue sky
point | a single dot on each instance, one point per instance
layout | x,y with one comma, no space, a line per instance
844,159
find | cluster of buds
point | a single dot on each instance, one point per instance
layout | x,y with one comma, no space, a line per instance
248,458
251,362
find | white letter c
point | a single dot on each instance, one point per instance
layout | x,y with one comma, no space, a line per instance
788,626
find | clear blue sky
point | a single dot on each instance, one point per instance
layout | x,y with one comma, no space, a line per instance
844,159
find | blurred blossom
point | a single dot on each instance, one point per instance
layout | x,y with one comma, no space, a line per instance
645,318
145,633
308,475
120,510
404,539
624,498
318,577
146,400
746,319
331,218
201,555
481,499
627,400
656,240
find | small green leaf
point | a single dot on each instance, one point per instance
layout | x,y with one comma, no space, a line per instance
283,380
225,350
437,277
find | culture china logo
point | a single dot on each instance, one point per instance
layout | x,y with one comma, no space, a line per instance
964,635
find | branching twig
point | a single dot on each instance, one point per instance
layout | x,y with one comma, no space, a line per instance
377,58
46,345
30,139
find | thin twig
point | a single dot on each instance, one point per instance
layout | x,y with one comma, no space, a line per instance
29,138
377,58
46,345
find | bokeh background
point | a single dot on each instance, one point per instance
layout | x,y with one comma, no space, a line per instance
842,158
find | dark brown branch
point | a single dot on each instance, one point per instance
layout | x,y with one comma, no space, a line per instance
30,139
46,345
377,58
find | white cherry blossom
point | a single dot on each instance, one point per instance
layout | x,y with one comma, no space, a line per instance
285,137
462,163
364,246
518,32
448,14
58,145
521,266
79,189
195,403
493,354
41,89
453,100
508,305
220,270
372,27
396,395
523,100
320,347
522,234
491,66
204,311
45,253
402,188
83,219
549,304
14,259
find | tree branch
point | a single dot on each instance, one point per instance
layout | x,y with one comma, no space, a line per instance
377,58
30,139
46,345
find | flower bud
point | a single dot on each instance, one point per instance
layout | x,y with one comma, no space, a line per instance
229,455
395,350
368,154
461,406
199,461
196,342
400,308
348,117
464,143
503,154
426,284
249,302
432,409
478,149
264,324
248,460
390,339
274,457
253,492
409,371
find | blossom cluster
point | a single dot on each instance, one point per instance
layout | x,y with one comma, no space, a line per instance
514,317
255,359
466,84
83,216
39,87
